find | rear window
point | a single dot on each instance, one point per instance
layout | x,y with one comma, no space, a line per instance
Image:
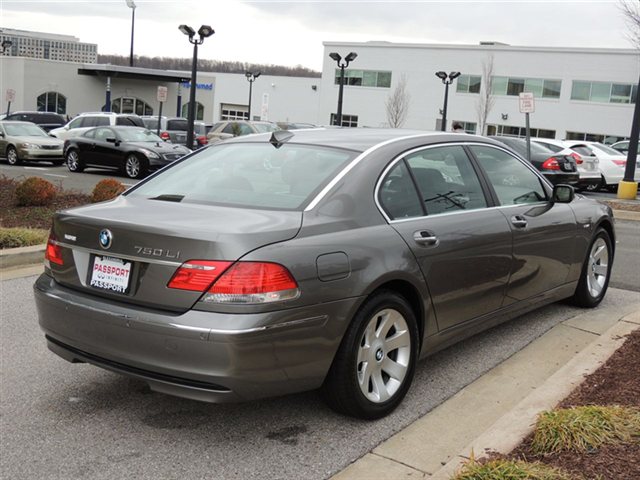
129,121
151,123
177,124
248,175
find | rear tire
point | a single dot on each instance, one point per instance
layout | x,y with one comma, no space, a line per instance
73,161
596,271
12,156
374,366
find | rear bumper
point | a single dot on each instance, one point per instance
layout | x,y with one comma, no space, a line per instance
558,177
197,355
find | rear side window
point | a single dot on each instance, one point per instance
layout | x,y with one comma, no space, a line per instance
513,182
95,121
129,121
398,196
250,175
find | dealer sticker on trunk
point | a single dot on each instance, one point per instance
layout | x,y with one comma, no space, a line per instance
110,274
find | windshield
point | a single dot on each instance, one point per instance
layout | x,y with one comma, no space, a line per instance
178,124
605,149
135,135
24,130
248,175
266,127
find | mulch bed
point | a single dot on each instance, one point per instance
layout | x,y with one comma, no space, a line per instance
617,382
631,207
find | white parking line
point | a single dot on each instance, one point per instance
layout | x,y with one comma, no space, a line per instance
35,168
54,175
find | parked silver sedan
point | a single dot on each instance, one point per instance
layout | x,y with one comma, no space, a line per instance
356,253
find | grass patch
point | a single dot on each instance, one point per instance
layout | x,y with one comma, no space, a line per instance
22,237
581,429
502,469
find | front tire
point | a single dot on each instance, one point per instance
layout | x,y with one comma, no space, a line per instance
73,161
374,366
134,167
596,271
12,156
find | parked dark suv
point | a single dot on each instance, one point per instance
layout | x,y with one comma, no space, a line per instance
45,120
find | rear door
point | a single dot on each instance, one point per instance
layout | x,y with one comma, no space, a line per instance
434,199
543,233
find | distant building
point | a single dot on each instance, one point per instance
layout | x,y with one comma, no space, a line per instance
48,46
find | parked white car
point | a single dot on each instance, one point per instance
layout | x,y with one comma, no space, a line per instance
612,162
588,165
85,121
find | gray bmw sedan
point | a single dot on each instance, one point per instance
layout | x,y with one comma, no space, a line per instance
330,259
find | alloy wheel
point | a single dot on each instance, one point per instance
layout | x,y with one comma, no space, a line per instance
598,267
72,161
12,156
132,166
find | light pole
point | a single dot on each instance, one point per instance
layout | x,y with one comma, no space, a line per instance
447,80
132,6
342,65
204,32
251,77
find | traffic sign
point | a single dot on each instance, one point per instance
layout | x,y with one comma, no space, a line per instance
527,103
10,96
162,94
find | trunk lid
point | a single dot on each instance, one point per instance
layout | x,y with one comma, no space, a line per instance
152,238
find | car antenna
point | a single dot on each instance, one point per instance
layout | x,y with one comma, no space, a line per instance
280,137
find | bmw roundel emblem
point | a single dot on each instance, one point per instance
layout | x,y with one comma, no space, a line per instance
105,238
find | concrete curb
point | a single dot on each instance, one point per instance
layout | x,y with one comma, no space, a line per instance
23,256
626,215
507,433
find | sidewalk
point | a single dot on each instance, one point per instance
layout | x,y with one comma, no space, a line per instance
499,409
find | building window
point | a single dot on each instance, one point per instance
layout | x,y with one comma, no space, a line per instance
131,105
595,137
199,111
365,78
347,120
52,102
468,84
521,132
540,87
233,112
604,92
469,127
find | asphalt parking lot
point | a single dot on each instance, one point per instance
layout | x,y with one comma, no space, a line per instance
62,420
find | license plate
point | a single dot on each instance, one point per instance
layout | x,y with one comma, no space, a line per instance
109,273
181,137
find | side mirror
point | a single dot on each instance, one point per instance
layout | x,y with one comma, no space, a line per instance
563,194
111,140
1,134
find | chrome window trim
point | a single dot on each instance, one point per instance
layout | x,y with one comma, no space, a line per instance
105,253
417,149
318,198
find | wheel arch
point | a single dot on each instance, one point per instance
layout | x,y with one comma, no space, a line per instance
607,226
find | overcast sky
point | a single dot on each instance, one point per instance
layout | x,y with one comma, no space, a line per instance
291,32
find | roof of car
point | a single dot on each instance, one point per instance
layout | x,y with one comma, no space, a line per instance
359,139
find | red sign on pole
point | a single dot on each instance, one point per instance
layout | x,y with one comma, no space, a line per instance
162,94
527,103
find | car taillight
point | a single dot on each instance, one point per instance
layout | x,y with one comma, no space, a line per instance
53,252
165,135
197,275
253,282
577,158
551,164
620,163
202,140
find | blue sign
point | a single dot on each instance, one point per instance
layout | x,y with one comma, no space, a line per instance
199,86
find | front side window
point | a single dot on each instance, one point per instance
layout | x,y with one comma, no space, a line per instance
249,175
513,182
446,180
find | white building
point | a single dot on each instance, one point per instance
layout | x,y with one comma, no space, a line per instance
49,46
580,93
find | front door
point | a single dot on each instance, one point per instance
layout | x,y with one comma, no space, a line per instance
434,200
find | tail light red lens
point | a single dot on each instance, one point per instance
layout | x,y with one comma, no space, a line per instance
165,135
202,140
53,253
551,164
577,158
253,282
197,275
620,163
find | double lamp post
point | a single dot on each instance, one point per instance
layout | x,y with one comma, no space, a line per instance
342,65
447,80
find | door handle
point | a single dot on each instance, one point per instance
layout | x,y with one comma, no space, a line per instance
424,237
518,221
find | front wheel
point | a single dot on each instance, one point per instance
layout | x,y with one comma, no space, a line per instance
134,167
12,156
374,366
73,161
596,271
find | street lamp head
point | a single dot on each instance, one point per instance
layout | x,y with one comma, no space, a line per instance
130,4
335,56
454,75
205,31
351,57
441,75
256,75
187,30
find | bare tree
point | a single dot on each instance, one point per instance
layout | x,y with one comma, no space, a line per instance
631,10
486,100
398,104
